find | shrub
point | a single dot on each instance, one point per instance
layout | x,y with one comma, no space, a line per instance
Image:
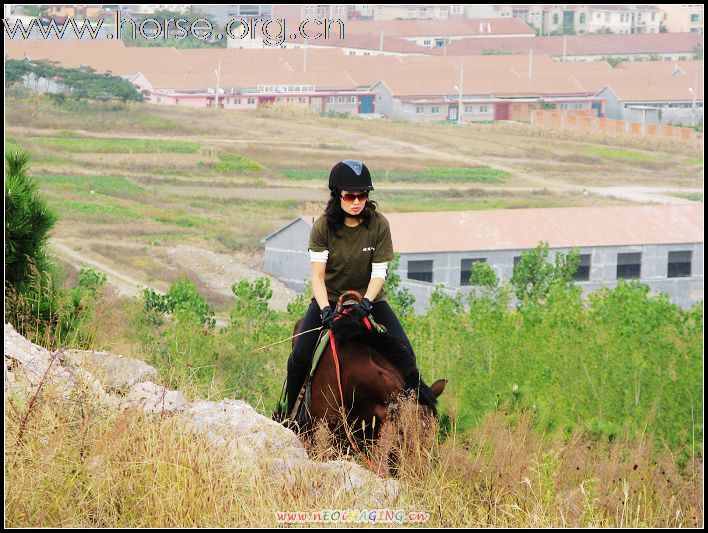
183,301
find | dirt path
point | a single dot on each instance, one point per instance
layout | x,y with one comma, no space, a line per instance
660,195
123,283
217,271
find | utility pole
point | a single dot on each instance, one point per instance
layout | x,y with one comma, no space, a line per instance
218,76
694,91
459,110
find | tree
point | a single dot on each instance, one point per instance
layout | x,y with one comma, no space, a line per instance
28,222
533,276
15,71
400,298
483,275
44,69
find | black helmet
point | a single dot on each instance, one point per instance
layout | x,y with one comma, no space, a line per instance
350,175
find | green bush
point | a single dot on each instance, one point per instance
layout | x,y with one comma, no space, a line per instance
183,301
54,317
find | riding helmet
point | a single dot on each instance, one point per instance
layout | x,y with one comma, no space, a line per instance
350,175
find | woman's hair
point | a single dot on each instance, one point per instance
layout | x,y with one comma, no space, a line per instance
335,214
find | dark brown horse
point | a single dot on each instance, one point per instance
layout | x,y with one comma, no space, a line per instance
372,374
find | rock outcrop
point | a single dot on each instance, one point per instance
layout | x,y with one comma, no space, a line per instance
118,382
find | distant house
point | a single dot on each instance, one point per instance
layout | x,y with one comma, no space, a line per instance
418,88
655,92
663,46
485,88
659,245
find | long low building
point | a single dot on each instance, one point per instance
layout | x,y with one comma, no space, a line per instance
660,245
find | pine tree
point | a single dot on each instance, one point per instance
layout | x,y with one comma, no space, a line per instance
28,222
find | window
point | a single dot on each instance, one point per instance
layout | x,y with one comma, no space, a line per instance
653,17
469,108
421,270
352,99
629,266
695,18
555,18
237,101
456,9
583,272
517,258
435,109
483,109
466,269
582,18
419,109
680,264
330,100
426,42
340,99
251,101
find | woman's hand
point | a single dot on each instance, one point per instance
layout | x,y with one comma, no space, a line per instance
362,309
327,316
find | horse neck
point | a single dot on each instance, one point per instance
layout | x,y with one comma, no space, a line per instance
370,373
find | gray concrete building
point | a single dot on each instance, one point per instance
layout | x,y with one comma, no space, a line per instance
660,245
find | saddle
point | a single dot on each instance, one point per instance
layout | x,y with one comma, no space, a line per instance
301,411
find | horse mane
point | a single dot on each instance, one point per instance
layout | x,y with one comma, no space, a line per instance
348,330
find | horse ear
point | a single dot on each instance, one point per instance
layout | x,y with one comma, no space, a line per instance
438,387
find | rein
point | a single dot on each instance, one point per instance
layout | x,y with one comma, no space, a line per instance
343,408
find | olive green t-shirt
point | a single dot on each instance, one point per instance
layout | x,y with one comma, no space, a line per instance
350,256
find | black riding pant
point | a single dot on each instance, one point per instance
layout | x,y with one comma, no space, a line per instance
301,356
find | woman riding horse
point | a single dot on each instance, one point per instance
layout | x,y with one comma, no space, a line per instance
350,247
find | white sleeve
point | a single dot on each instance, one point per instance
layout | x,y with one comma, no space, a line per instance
318,257
378,270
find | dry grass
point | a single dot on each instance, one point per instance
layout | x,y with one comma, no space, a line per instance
83,467
86,468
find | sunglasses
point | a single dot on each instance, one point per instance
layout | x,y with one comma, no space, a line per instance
350,197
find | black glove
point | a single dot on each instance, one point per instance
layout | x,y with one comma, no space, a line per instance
362,309
327,316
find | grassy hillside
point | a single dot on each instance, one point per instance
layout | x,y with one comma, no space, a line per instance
565,413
